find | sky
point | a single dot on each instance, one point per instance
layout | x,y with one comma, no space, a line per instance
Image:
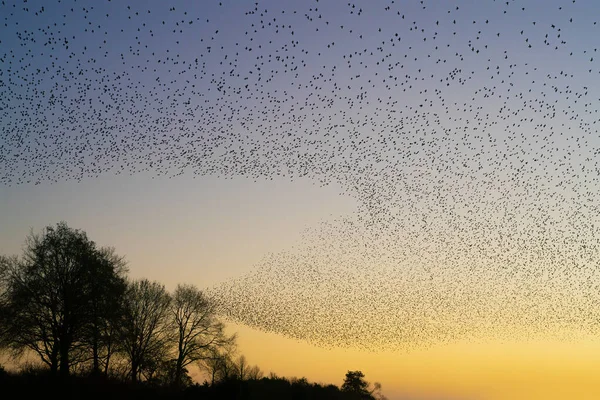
408,188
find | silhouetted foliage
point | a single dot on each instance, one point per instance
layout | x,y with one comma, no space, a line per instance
145,329
3,373
166,375
219,364
39,383
355,385
272,387
5,263
199,333
105,308
54,295
71,304
243,371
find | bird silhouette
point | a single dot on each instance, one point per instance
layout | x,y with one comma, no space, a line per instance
467,135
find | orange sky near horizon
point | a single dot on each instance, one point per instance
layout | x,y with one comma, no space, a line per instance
184,250
460,371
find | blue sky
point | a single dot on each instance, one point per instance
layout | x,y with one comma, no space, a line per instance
429,161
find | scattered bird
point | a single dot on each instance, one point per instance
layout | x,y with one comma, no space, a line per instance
467,136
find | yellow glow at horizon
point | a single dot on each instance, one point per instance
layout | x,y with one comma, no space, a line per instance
168,233
465,371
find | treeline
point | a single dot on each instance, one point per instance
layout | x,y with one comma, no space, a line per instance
35,383
71,304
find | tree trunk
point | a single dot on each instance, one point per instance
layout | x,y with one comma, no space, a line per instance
109,350
178,371
54,359
64,358
107,362
96,365
54,366
134,371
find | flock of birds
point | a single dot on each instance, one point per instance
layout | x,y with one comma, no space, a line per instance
467,132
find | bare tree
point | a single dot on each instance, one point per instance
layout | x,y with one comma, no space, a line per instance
105,308
199,332
255,373
45,305
145,326
242,368
244,371
219,364
5,265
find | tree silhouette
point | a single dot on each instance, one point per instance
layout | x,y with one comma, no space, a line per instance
145,327
219,364
244,371
71,303
355,384
377,393
5,264
198,331
105,308
48,292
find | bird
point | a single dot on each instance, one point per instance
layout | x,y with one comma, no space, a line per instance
468,141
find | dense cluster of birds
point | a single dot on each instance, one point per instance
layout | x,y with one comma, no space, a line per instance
466,131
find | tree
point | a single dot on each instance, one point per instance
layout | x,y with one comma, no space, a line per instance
219,364
145,327
355,384
45,305
244,372
105,308
199,333
255,373
5,264
376,392
241,368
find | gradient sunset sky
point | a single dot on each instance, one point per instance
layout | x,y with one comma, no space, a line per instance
408,188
